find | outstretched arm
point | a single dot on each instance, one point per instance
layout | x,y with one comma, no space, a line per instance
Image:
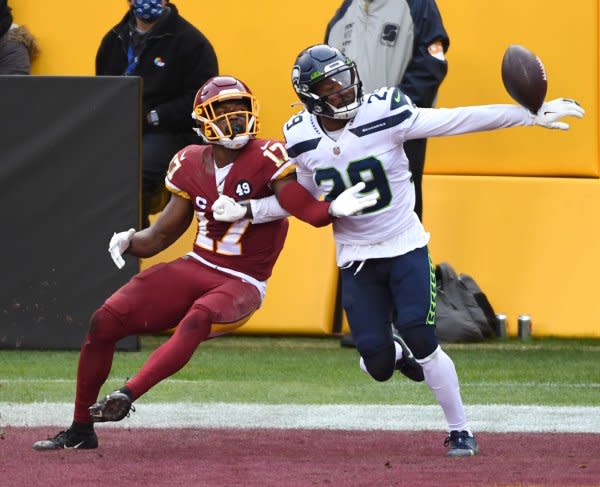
431,122
170,225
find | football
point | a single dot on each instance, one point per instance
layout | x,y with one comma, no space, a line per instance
524,77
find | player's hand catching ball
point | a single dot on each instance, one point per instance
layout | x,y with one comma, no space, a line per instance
118,244
551,112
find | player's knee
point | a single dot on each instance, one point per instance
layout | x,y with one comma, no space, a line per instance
421,340
105,326
196,324
381,365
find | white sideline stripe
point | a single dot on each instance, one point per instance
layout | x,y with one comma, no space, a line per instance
561,385
491,418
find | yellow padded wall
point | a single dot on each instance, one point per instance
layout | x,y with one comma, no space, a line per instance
566,39
531,243
258,42
301,293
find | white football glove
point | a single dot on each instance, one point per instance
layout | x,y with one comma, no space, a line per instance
349,202
551,112
118,244
226,209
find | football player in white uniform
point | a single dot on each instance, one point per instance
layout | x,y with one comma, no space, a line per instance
343,138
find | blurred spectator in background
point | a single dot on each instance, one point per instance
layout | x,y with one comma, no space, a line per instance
18,47
5,18
395,43
174,59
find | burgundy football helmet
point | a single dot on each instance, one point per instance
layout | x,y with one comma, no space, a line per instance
231,129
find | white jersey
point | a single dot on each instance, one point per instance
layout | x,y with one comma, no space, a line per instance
370,149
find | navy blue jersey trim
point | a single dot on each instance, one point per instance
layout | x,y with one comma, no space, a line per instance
302,147
381,124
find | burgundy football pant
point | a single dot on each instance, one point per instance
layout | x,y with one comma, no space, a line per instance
199,301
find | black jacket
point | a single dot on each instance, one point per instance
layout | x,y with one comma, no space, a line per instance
5,17
175,61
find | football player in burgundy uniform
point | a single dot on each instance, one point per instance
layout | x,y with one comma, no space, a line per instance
216,287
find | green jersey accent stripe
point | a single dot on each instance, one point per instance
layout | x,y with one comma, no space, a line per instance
432,293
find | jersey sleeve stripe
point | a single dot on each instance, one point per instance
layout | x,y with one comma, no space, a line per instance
398,99
305,146
381,124
174,189
284,171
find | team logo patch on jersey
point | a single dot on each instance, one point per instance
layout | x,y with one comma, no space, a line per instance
201,203
243,188
337,151
398,99
348,31
389,34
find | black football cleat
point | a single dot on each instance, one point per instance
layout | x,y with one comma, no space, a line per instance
462,444
408,364
114,407
69,439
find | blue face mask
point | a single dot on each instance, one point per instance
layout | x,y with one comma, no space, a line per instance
147,10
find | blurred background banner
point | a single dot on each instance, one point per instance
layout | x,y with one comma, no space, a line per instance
69,177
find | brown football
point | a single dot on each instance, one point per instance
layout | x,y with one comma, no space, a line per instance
524,77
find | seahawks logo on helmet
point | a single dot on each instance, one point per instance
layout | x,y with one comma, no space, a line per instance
296,79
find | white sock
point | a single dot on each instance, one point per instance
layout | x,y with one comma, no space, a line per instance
363,367
398,351
440,376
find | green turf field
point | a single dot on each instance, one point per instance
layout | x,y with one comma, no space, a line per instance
283,370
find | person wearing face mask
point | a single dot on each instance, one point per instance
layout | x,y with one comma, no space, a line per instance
174,59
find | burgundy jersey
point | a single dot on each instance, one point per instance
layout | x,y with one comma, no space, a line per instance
241,246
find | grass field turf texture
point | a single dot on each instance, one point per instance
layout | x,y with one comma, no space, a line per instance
549,385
